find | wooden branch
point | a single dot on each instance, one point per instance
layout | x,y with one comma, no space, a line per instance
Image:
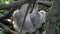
7,30
53,17
45,3
6,22
20,3
15,4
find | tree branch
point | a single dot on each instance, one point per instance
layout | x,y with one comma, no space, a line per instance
20,3
6,22
15,4
53,18
7,29
45,3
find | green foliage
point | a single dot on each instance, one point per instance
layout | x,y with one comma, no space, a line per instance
57,31
3,12
2,31
42,7
44,32
6,1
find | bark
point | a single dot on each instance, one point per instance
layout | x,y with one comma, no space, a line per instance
45,3
53,17
21,2
6,22
15,4
7,29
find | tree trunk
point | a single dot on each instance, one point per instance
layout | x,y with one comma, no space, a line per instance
53,17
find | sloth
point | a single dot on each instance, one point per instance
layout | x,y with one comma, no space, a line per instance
32,22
